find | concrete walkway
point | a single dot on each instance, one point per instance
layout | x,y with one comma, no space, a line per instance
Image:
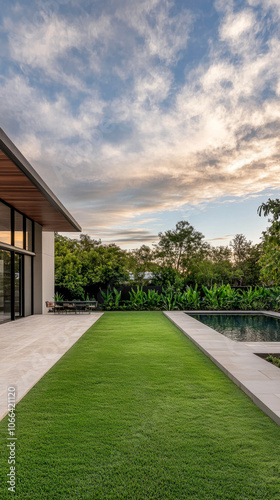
29,347
255,376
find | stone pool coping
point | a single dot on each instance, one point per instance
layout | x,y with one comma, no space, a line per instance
255,376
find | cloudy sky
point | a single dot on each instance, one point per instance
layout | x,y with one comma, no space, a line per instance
141,113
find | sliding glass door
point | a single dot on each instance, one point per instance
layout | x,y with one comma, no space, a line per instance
11,285
16,264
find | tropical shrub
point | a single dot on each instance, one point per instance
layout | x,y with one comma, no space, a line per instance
154,300
111,299
258,298
170,299
192,298
217,298
138,299
220,298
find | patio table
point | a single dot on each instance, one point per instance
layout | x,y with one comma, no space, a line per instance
76,306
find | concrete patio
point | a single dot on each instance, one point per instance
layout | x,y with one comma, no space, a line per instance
30,346
255,376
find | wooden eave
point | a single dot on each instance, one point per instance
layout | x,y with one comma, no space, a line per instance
23,188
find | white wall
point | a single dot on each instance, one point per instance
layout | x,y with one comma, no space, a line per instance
43,269
47,268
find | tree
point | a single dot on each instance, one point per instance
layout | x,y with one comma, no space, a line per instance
246,259
270,207
216,267
270,258
177,247
87,243
140,261
241,248
223,269
82,267
63,245
251,266
220,254
111,266
167,276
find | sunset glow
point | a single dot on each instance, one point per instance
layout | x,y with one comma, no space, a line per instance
139,114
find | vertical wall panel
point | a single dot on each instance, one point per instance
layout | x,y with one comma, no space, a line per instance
37,275
47,268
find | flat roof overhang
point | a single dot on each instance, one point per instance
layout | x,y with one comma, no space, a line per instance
23,188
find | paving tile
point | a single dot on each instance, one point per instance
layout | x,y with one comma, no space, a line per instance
271,400
247,376
263,387
272,374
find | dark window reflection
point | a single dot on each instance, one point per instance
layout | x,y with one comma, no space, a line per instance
18,230
29,235
5,224
18,285
5,286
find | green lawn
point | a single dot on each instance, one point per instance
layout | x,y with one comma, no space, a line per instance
135,411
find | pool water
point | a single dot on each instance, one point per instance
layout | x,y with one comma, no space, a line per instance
243,327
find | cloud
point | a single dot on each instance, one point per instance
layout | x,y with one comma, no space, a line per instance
94,102
49,44
237,25
164,35
221,238
267,5
127,235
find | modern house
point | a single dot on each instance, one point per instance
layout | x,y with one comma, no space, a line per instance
29,215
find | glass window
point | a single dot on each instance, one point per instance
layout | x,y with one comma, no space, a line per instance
5,286
27,285
18,230
18,285
29,235
5,224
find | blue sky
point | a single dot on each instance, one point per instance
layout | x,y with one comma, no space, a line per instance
139,114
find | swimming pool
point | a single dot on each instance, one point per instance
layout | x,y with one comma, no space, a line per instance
243,327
